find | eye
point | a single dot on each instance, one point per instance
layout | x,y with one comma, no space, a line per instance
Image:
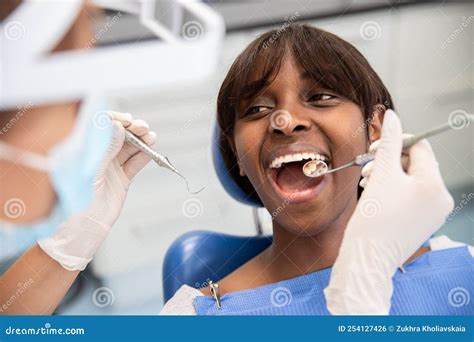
321,97
256,109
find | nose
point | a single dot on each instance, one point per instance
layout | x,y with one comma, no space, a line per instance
282,122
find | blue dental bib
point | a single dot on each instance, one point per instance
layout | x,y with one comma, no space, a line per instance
439,282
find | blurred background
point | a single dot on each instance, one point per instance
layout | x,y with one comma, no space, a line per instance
423,51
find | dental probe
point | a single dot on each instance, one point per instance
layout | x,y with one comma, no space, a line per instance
161,160
316,168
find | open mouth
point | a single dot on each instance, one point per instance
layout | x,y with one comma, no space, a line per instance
285,170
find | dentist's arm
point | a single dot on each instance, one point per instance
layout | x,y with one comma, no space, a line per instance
40,278
34,285
396,213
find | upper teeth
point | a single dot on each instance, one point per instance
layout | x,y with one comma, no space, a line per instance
277,162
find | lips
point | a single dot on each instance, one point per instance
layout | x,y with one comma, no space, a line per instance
284,169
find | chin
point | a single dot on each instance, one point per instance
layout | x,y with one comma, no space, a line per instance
305,225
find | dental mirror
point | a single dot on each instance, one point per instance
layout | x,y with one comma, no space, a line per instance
315,168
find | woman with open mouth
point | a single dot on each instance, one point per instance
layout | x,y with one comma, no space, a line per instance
300,94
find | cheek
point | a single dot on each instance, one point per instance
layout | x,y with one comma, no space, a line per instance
348,135
348,139
248,138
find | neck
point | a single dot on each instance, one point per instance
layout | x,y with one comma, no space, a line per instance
292,254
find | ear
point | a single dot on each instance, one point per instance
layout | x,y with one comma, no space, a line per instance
241,170
234,151
375,124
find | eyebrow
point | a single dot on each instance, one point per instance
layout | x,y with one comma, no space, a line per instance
252,89
306,76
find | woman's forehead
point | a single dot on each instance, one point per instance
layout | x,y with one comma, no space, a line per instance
289,73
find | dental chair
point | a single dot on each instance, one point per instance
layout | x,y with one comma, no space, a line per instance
199,256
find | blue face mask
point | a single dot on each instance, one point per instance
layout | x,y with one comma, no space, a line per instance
72,166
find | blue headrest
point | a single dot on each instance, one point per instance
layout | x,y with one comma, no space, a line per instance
199,256
224,176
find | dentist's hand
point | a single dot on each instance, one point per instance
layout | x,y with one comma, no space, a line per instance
396,213
367,169
76,241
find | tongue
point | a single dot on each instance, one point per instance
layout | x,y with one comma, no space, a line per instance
291,178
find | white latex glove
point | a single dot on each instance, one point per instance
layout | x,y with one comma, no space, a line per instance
76,241
396,213
367,169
